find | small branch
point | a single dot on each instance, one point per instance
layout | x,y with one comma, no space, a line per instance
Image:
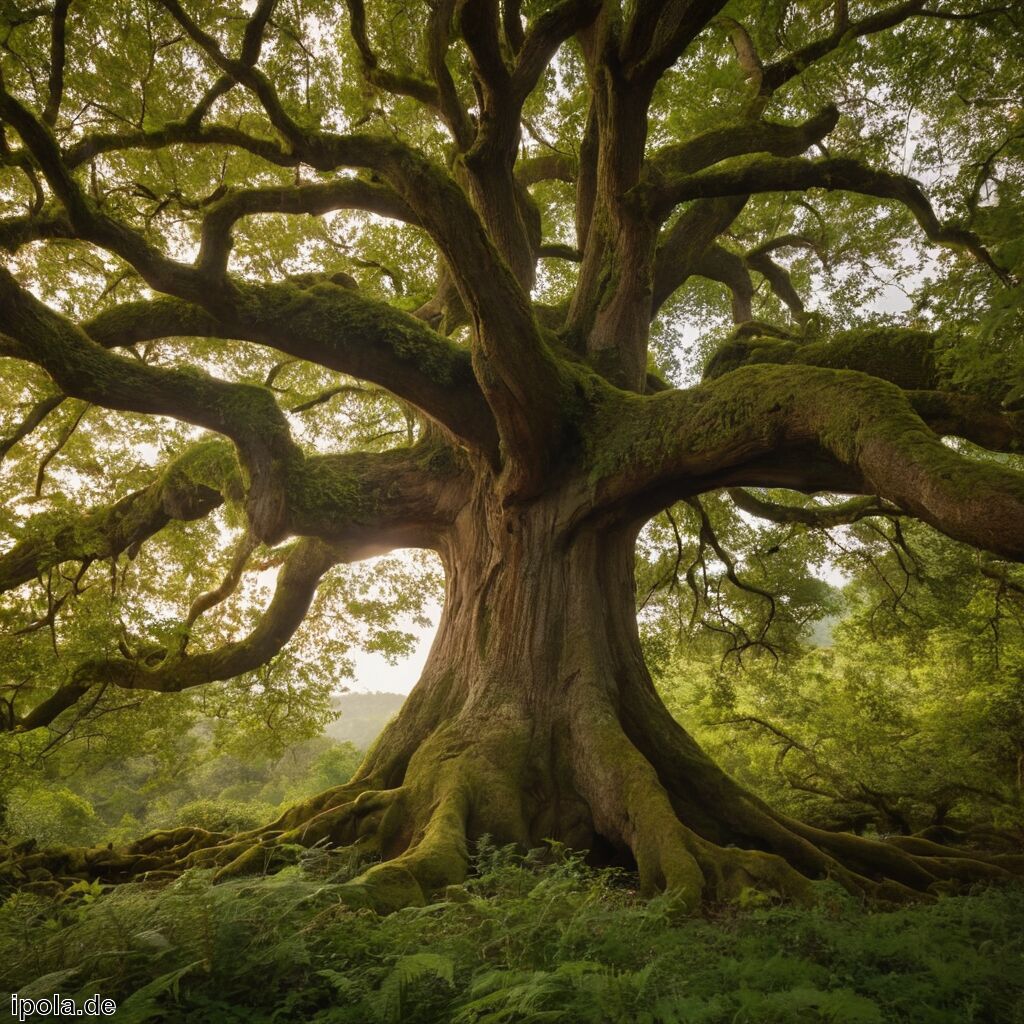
559,251
711,537
817,517
389,81
56,449
204,602
296,585
327,394
36,415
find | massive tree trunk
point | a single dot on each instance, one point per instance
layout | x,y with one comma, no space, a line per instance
536,719
544,444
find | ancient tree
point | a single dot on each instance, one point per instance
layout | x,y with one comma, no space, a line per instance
567,169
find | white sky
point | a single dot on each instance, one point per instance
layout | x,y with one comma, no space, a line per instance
373,673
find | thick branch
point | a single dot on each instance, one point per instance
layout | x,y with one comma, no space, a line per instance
189,488
296,586
811,429
711,147
682,246
971,418
903,356
719,264
658,32
796,174
362,503
547,167
819,517
82,369
342,194
334,327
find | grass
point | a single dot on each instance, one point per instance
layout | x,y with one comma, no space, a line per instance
520,942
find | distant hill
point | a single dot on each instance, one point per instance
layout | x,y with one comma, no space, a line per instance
363,716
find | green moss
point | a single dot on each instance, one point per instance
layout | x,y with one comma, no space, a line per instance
211,463
903,356
326,318
331,488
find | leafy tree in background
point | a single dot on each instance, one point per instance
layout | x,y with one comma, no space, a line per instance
900,712
300,284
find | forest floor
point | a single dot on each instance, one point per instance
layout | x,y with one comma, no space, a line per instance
519,942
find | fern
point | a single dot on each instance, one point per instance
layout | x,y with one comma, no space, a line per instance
529,939
391,998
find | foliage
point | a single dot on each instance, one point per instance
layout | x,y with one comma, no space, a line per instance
52,816
521,941
844,718
198,780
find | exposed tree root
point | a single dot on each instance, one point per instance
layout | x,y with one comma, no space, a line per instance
412,839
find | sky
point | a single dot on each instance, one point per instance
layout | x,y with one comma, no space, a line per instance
374,674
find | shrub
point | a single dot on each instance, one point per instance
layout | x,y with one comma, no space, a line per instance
220,815
52,817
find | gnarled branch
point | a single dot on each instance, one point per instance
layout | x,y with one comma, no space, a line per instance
810,429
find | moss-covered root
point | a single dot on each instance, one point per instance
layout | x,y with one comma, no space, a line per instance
437,858
633,807
675,860
631,804
346,816
419,828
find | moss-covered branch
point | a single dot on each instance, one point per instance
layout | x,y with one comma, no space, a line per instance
972,418
189,487
176,671
345,507
806,428
314,200
718,144
83,369
335,327
904,356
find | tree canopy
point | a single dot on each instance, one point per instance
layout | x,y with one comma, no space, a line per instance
294,283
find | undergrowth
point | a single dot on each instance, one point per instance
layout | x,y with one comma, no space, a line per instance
520,942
